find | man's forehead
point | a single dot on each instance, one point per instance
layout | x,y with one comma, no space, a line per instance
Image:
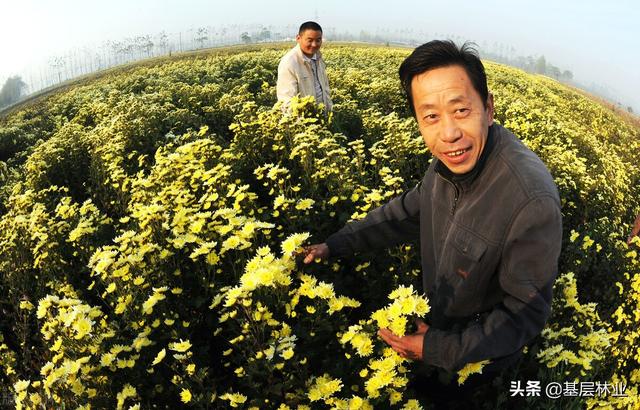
309,33
449,72
448,80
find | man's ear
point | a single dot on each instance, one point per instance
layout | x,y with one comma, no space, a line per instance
490,110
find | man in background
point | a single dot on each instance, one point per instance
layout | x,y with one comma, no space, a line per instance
302,71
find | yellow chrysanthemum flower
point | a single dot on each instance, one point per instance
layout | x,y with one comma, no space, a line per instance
323,388
181,346
287,354
234,398
293,242
161,354
471,368
185,396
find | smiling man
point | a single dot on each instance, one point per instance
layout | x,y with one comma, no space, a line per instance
487,217
302,71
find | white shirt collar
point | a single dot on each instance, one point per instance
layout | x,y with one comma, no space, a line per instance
314,57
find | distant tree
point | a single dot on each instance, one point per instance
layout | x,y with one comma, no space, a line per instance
553,71
521,62
122,49
245,37
145,44
567,75
163,41
136,46
98,61
201,36
12,90
364,36
629,109
130,46
541,65
57,63
265,34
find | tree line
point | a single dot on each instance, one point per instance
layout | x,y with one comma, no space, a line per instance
112,53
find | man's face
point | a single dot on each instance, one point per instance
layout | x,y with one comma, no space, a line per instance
310,41
452,118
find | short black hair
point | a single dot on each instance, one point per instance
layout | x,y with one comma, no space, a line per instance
309,25
444,53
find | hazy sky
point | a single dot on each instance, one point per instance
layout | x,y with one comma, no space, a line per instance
596,40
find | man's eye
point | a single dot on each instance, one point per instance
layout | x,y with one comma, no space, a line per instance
431,117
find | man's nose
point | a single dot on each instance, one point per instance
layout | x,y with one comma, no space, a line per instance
450,130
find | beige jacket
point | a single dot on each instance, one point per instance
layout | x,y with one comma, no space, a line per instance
295,77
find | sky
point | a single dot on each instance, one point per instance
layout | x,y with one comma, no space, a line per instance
596,40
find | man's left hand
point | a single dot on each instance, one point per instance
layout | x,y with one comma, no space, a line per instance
408,346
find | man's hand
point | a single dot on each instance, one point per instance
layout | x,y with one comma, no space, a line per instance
635,231
409,346
317,251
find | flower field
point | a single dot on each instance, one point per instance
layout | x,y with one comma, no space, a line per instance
149,221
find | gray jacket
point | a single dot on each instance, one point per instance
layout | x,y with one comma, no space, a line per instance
489,242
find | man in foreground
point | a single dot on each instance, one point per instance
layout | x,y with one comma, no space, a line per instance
487,216
302,71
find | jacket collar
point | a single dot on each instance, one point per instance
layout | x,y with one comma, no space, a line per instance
465,180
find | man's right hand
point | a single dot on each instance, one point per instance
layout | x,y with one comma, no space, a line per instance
317,251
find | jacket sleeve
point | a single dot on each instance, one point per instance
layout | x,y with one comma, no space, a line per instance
528,269
395,222
287,83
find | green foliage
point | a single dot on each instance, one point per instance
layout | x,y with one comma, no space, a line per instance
148,220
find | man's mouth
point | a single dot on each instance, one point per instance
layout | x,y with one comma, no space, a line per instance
453,154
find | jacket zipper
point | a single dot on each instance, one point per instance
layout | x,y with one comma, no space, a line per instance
455,199
455,196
